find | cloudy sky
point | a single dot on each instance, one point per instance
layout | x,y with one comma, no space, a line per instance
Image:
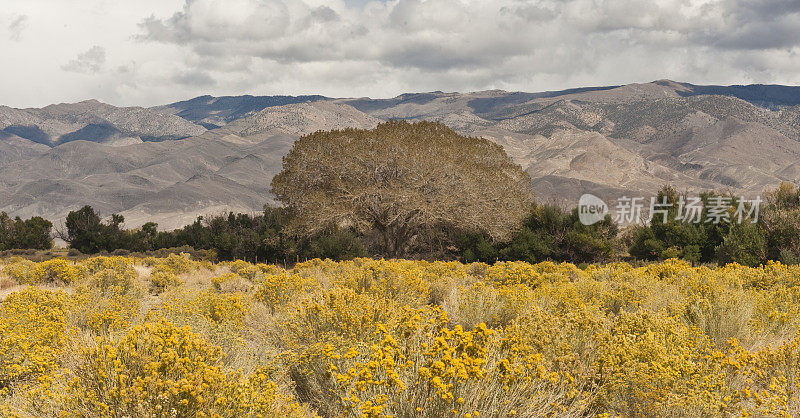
148,52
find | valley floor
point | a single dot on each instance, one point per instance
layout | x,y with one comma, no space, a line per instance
115,336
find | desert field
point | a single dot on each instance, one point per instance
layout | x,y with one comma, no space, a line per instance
118,337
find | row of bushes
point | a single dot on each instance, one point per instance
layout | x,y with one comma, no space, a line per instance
32,233
774,234
263,237
548,233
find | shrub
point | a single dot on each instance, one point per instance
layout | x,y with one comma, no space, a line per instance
405,338
220,307
100,313
424,368
230,282
482,303
162,277
56,271
158,369
242,268
21,271
278,289
653,365
32,333
96,264
110,281
514,272
402,281
179,264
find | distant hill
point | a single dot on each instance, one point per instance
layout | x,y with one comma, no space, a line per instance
93,121
174,162
214,112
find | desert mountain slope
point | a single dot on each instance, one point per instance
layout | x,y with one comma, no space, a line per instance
94,121
214,112
629,139
171,163
169,182
13,148
301,119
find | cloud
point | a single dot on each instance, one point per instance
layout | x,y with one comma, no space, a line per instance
15,28
382,48
194,78
87,62
452,36
324,14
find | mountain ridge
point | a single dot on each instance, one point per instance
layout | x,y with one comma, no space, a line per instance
173,162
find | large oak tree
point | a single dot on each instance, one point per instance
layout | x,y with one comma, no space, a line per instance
400,178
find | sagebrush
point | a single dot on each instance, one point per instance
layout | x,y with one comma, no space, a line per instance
123,337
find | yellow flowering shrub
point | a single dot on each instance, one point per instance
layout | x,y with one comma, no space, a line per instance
270,269
515,272
423,368
7,411
230,282
102,312
158,369
180,264
177,263
219,307
654,365
207,305
338,314
109,299
403,281
568,338
96,264
56,271
32,334
20,270
112,314
245,270
484,303
380,338
113,281
161,278
277,290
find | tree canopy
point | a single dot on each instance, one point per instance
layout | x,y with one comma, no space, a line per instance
548,233
670,236
395,181
33,233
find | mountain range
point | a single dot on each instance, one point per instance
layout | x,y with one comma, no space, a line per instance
172,163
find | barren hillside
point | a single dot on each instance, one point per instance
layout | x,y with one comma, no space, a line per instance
174,162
